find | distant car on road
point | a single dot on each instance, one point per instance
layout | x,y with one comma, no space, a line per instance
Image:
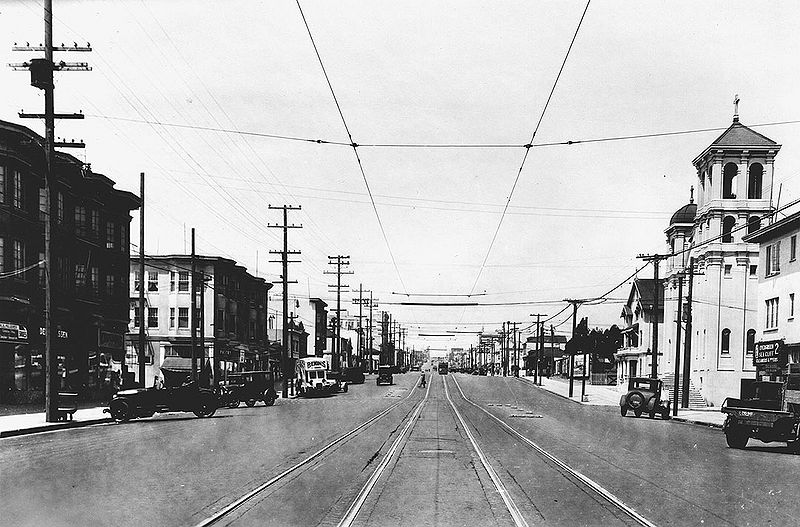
442,368
353,375
645,395
384,375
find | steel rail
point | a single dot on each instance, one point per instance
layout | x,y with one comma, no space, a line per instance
220,514
596,487
358,503
516,515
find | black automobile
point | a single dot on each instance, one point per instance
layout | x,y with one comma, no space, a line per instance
353,375
144,402
384,375
251,387
645,395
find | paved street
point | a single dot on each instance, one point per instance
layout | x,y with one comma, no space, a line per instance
414,465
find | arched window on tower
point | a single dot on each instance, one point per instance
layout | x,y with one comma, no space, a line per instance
751,342
729,180
754,181
753,224
727,229
725,347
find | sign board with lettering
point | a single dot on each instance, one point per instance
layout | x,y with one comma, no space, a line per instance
770,352
13,333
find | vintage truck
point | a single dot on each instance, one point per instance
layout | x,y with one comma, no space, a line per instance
768,408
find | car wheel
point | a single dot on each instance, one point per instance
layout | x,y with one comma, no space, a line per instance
653,413
270,400
250,402
234,403
206,408
623,410
635,400
665,415
344,388
120,411
736,437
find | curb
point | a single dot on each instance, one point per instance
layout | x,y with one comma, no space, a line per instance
696,422
54,426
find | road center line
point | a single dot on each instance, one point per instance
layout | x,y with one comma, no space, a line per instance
516,515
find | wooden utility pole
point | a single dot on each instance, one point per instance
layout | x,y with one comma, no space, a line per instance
193,315
655,259
372,304
142,336
575,304
539,347
338,261
285,281
687,350
676,382
41,70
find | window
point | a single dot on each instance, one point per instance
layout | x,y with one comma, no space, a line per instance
772,313
729,181
2,184
42,282
773,258
137,279
123,239
80,275
80,220
152,280
183,281
754,181
95,222
60,207
111,284
172,317
791,305
42,204
183,317
2,253
18,199
751,342
725,348
136,321
197,317
753,224
172,280
110,235
152,317
793,248
727,229
728,268
18,255
754,270
95,280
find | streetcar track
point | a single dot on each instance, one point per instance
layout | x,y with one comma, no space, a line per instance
586,481
516,515
236,504
358,502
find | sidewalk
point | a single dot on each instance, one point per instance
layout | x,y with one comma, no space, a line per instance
32,423
609,396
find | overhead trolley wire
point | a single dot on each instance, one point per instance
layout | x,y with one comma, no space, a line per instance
353,144
528,147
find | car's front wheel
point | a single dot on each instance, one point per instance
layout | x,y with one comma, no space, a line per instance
234,402
120,411
250,402
623,410
206,408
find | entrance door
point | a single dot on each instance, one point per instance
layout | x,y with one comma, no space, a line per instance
632,368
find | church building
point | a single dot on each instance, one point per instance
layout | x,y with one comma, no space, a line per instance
734,183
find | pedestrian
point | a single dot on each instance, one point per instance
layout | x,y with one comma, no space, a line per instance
422,381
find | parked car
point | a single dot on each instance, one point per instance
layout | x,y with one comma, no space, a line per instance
144,402
353,375
645,395
254,386
384,375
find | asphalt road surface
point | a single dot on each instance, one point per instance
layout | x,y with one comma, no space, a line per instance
467,450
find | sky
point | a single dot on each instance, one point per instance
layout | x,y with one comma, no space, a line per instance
188,91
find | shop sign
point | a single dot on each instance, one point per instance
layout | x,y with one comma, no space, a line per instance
13,332
770,353
59,333
111,340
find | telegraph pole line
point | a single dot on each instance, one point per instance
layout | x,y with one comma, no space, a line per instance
142,338
372,304
338,261
676,383
361,301
193,315
655,259
539,347
41,70
575,303
687,351
285,281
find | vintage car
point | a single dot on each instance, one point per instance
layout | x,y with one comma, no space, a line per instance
251,387
352,375
384,375
645,395
144,402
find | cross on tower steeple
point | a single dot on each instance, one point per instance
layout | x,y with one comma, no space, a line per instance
736,108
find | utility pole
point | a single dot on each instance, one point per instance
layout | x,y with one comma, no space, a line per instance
360,316
339,261
193,316
142,337
676,383
575,304
687,351
655,259
372,304
539,347
41,70
285,280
